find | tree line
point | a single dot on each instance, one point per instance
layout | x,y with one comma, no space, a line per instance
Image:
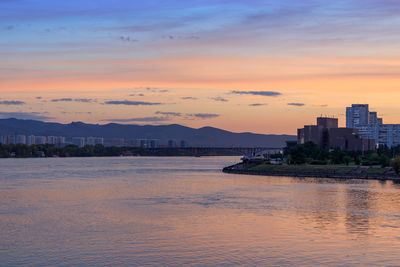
25,151
309,153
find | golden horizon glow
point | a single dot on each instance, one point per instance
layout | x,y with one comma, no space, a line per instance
189,65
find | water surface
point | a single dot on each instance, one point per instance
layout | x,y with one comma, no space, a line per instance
175,211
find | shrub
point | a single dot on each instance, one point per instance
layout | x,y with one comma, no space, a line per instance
384,161
395,163
319,162
347,160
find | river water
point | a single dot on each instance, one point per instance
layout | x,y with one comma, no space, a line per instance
185,211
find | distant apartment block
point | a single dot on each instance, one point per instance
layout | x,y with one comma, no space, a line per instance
21,139
149,143
357,115
78,141
56,140
144,143
50,140
172,143
40,140
119,142
60,140
183,143
9,139
92,141
30,140
370,126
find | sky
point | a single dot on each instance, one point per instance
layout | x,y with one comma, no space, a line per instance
265,66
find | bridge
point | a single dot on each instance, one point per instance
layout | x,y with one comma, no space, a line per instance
248,151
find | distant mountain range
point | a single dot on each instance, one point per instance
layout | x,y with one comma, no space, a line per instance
206,136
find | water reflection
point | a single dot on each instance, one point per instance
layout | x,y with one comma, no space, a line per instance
177,211
319,207
358,206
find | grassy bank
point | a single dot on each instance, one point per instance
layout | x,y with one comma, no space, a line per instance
334,169
323,171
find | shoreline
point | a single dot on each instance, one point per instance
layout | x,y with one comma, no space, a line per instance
49,151
239,168
122,156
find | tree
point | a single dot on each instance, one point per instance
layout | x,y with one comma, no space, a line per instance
395,163
337,156
357,160
297,155
347,159
384,161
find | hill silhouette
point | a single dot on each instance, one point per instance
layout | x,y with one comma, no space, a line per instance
202,137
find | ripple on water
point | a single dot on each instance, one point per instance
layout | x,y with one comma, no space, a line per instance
185,211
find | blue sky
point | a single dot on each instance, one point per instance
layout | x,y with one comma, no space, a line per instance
322,55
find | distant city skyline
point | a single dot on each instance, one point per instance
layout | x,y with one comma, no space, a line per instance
257,66
62,141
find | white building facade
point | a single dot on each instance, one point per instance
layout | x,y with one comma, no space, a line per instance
78,141
21,139
371,126
357,115
92,141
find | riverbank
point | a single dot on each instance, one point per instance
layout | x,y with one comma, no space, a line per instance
49,151
314,171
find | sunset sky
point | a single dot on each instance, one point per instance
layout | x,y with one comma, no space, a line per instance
259,66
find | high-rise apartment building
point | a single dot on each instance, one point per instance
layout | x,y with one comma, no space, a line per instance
21,139
146,143
40,140
78,141
172,143
9,139
357,115
119,142
183,143
92,141
60,141
370,126
51,140
55,140
30,140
